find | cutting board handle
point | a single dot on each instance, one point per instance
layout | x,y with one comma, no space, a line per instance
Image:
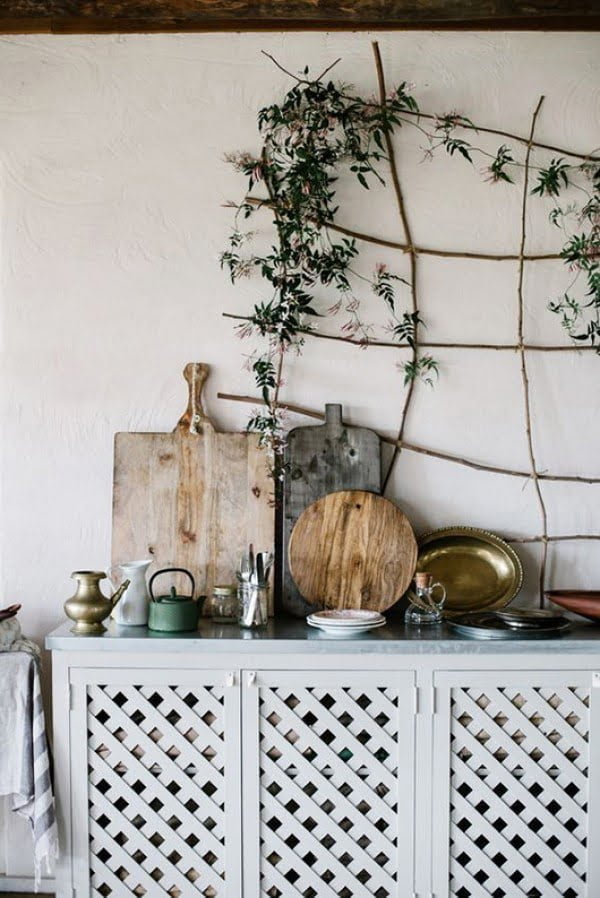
195,419
333,419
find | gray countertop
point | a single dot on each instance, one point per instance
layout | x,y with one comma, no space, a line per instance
287,634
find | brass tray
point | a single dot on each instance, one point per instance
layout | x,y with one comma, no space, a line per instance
479,571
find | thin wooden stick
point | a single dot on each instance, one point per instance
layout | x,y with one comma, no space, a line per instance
460,124
524,373
295,77
540,146
274,399
389,344
404,247
411,447
443,253
530,347
410,249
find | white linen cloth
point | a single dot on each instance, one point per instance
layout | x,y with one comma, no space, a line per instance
24,756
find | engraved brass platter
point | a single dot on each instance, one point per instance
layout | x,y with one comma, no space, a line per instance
479,571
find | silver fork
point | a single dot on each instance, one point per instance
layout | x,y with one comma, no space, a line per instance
244,571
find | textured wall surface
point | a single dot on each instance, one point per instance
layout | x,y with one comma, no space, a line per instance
112,190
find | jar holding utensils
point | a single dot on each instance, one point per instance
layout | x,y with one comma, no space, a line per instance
253,588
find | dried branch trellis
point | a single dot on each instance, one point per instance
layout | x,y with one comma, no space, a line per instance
582,251
523,357
410,249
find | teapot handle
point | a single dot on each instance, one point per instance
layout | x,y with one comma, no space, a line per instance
171,570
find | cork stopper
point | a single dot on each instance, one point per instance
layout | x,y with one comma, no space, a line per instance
423,580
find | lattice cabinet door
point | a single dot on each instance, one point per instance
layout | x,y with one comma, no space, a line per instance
516,785
155,783
328,784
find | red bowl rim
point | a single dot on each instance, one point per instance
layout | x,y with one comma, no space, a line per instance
573,594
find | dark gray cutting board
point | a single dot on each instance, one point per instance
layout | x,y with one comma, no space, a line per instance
322,459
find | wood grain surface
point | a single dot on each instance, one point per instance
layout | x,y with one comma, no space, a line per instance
353,549
97,16
322,459
193,498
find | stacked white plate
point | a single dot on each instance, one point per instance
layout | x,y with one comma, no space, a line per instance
346,622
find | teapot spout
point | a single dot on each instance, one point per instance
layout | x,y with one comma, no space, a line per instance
115,598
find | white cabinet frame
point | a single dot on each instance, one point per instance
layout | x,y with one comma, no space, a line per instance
257,685
424,680
496,683
80,681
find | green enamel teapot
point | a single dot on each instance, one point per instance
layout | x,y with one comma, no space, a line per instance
172,613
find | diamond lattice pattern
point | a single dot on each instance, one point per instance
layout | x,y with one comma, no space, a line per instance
328,792
156,791
519,792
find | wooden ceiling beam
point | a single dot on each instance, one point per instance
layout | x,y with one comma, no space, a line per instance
122,16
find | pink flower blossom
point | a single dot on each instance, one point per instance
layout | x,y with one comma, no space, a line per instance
240,161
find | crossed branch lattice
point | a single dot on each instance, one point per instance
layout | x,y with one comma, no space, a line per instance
522,348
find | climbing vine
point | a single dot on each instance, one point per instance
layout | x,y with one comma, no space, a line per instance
322,133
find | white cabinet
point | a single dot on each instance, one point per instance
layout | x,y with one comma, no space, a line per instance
310,775
155,775
517,785
329,776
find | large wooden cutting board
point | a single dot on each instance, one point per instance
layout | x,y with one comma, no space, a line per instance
193,498
353,549
319,460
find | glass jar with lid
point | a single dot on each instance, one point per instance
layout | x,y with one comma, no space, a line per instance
224,605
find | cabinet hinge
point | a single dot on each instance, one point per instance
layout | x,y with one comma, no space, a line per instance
251,678
596,679
230,679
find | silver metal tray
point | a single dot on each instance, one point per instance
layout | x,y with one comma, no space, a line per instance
531,618
486,625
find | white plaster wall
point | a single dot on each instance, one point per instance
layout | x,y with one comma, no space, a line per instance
112,189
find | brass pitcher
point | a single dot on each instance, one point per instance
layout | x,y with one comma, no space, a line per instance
89,607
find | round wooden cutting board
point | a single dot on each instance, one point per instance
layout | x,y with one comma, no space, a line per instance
352,549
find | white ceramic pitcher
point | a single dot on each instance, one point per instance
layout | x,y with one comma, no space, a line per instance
132,610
